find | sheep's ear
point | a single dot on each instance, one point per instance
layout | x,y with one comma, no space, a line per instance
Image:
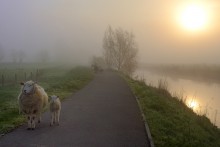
21,83
35,82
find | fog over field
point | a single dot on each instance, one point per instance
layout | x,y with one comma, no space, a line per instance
73,30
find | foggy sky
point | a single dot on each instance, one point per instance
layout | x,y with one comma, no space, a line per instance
72,30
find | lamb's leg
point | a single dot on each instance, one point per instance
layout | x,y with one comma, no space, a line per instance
55,119
52,118
58,117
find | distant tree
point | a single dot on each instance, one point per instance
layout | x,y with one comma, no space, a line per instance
21,55
98,63
108,46
44,56
2,53
14,55
120,50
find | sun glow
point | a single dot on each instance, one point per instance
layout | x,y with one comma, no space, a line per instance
193,17
193,104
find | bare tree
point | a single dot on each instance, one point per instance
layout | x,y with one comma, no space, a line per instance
120,50
108,46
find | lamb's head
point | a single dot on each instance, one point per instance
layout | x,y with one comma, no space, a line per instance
28,87
53,98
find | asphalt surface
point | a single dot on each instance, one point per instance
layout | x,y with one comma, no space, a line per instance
102,114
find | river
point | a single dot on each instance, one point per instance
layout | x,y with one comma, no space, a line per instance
202,97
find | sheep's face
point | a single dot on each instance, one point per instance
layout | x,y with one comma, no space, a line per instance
28,87
53,97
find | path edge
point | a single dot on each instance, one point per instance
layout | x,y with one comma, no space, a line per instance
147,129
145,123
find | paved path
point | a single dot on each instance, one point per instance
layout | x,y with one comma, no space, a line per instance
103,114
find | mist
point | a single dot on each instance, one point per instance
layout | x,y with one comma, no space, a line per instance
72,31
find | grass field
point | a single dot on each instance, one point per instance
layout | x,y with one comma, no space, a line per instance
55,80
171,122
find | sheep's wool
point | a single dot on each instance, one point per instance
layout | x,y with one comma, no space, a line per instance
32,100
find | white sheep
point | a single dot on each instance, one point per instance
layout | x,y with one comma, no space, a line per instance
55,107
32,100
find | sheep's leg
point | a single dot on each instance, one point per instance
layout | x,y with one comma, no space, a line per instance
39,117
55,118
58,117
52,118
32,124
29,122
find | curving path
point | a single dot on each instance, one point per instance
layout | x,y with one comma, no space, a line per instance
103,114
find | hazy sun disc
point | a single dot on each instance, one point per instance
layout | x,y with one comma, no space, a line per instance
193,17
193,104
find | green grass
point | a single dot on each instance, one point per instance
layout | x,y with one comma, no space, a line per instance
171,122
14,73
55,81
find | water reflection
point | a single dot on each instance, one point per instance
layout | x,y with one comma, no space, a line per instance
203,98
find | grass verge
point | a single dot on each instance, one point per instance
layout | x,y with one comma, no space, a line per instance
171,122
56,81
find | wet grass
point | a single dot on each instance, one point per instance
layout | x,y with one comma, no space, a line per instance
171,122
55,81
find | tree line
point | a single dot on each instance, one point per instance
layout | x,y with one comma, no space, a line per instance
18,56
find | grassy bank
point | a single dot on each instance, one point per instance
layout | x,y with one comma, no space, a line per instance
171,122
58,81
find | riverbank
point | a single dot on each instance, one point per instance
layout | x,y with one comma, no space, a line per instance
207,73
170,121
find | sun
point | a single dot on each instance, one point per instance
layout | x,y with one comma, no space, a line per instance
193,17
193,104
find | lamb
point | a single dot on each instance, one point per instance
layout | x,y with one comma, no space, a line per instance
55,107
32,100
